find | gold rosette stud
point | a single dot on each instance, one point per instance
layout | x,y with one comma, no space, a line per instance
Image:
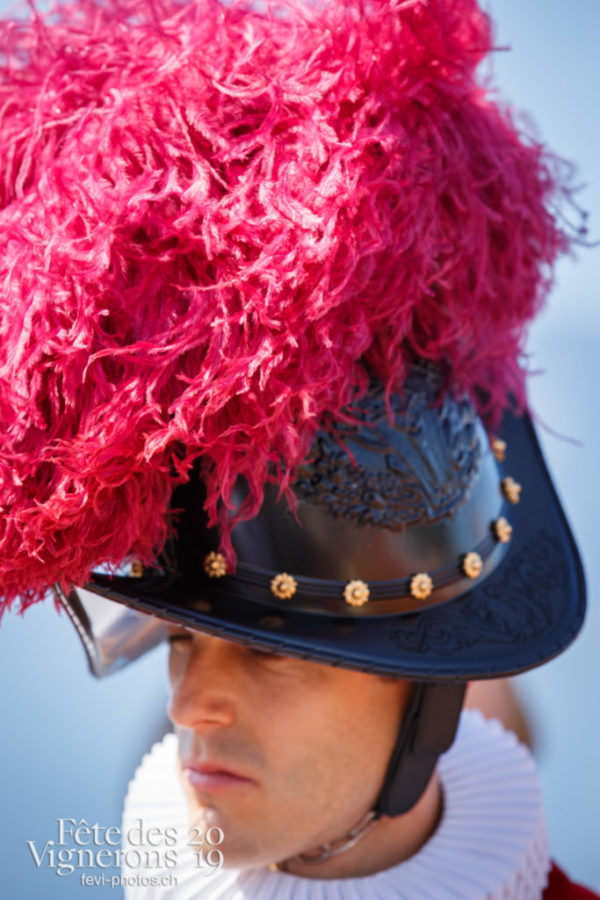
421,586
283,586
136,569
215,565
472,565
356,593
502,530
511,489
499,449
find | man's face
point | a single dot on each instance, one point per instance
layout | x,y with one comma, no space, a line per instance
281,754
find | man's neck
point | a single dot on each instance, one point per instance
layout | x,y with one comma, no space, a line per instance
390,841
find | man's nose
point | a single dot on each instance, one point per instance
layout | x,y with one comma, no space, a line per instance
205,682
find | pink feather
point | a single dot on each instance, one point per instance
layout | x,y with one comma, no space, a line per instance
215,220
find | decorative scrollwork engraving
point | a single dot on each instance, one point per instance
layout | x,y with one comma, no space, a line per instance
415,470
512,608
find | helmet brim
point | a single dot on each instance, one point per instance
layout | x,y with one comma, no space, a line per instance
524,613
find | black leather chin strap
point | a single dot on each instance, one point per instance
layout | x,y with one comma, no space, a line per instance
427,730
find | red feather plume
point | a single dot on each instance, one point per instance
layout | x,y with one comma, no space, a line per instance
215,220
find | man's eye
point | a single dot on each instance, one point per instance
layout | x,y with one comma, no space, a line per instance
264,654
174,637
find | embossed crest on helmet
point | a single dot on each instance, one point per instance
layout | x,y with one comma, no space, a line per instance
415,470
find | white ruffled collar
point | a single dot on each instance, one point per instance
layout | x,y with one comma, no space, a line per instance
491,843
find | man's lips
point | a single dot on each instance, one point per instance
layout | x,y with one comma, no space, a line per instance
205,776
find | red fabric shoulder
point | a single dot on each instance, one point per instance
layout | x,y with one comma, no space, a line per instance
561,888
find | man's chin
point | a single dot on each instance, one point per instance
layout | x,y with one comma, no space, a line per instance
240,843
244,851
